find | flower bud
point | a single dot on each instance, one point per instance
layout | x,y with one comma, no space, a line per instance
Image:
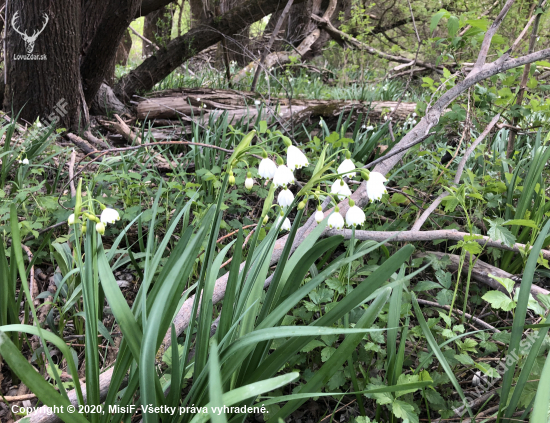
301,205
266,219
100,228
231,180
84,229
70,220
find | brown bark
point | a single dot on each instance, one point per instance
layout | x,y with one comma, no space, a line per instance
198,12
159,66
240,104
124,48
148,6
102,50
157,28
37,86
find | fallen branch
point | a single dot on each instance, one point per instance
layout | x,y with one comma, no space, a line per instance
424,216
481,272
413,236
468,316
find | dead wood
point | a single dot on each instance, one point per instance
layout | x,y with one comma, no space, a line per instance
203,102
481,272
280,58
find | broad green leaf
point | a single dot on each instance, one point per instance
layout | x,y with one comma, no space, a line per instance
499,300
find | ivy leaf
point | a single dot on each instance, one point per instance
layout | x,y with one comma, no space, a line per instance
499,300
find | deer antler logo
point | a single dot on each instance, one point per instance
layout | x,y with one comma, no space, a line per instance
29,40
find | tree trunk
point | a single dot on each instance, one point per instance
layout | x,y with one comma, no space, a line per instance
198,12
238,44
42,76
165,61
158,29
124,48
102,50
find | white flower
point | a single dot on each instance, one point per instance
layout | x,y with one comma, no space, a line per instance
38,124
341,188
414,115
25,161
335,220
285,198
267,168
346,166
283,176
321,123
198,99
370,128
386,117
109,216
414,122
249,183
257,102
319,216
295,159
375,186
392,109
286,224
70,220
364,127
355,216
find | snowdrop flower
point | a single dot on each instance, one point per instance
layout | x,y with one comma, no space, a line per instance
414,122
319,215
38,124
283,176
100,228
392,109
346,166
267,168
285,198
25,161
295,159
335,220
198,99
386,117
109,216
370,128
321,122
355,216
341,188
414,115
257,102
70,220
249,182
375,186
286,223
364,127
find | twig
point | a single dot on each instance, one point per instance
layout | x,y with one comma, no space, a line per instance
468,316
144,39
420,221
267,48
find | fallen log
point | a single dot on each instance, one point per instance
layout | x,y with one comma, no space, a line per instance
204,102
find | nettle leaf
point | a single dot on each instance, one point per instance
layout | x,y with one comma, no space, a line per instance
405,411
488,370
498,232
444,297
434,397
505,282
445,318
499,300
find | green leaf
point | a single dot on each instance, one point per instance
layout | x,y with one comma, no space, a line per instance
498,232
499,300
452,26
263,127
405,411
505,282
437,17
521,222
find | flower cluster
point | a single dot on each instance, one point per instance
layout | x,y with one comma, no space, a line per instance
108,216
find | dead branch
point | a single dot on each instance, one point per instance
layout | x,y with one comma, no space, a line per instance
420,221
481,272
280,58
